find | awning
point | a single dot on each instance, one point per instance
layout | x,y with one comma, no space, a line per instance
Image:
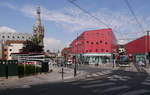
97,54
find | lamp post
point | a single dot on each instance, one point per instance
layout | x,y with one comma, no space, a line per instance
75,57
148,56
75,67
113,57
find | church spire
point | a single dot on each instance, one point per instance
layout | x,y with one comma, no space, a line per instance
38,29
38,18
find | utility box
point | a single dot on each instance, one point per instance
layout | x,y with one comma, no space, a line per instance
45,67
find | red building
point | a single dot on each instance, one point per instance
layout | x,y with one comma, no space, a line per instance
139,47
66,53
94,45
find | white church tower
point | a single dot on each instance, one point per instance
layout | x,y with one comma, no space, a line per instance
38,29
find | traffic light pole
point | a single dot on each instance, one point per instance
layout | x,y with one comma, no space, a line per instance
75,67
148,56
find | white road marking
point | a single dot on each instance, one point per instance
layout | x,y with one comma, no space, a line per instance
116,88
136,92
97,81
147,80
95,75
97,85
145,83
100,73
112,79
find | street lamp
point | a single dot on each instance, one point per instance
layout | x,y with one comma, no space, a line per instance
113,57
75,67
148,53
75,57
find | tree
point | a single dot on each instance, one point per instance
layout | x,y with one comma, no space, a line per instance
32,46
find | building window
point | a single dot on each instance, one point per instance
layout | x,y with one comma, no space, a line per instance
10,50
5,49
102,50
86,50
92,43
96,50
87,41
13,37
100,41
18,36
106,43
3,36
97,34
8,36
97,43
23,37
106,50
90,50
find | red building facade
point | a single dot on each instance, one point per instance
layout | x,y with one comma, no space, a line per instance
138,46
66,53
94,41
94,44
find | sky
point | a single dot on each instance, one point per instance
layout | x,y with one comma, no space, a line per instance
63,21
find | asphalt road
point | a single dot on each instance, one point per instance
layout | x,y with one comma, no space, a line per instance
97,82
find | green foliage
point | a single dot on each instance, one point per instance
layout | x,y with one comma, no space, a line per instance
27,69
32,46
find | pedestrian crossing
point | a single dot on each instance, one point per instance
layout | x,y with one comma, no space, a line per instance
99,74
136,92
117,78
115,88
97,85
108,86
147,81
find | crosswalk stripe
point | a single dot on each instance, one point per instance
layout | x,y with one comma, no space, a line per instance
146,83
97,85
107,72
113,79
136,92
100,73
116,88
147,80
95,75
88,82
122,79
97,81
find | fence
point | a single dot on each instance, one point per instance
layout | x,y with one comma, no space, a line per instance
13,68
8,68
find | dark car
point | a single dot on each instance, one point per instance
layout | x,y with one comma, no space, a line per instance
124,60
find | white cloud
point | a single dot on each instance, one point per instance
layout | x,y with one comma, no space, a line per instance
73,19
53,44
6,29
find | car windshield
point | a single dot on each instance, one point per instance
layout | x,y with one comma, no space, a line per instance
123,58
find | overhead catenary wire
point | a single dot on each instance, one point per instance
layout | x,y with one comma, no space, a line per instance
97,19
87,12
132,12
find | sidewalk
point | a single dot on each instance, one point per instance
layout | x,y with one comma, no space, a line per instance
147,70
26,82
